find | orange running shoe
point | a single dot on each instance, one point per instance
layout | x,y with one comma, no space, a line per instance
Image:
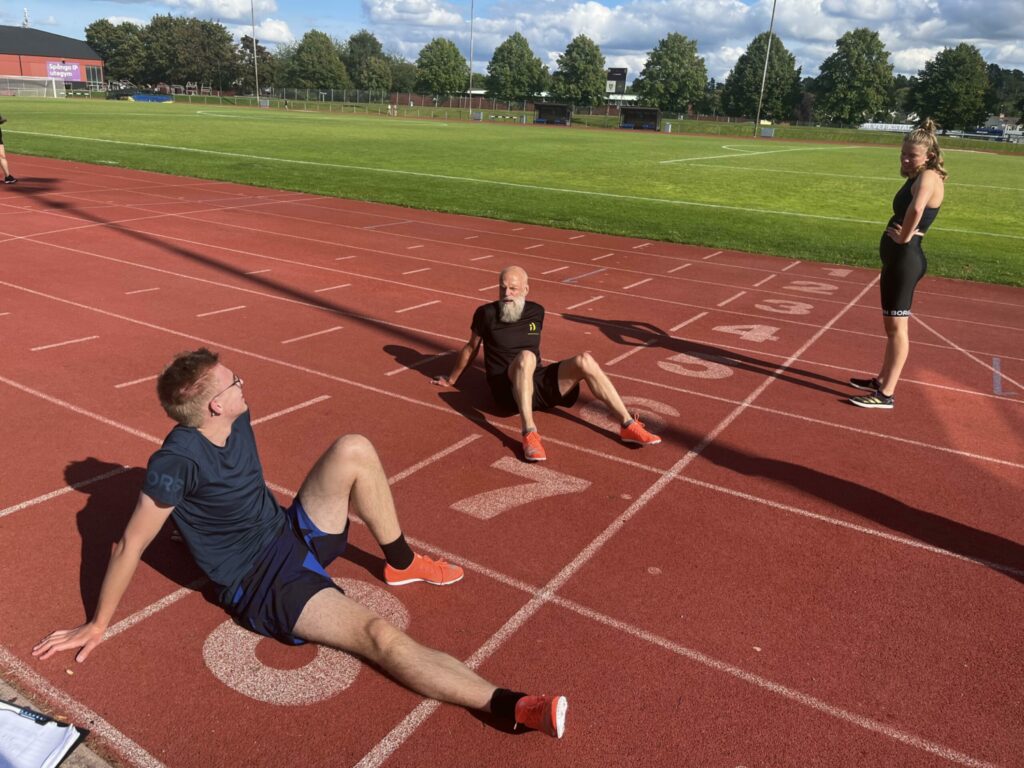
436,572
532,449
637,435
543,713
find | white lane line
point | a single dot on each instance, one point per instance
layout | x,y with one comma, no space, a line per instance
416,271
576,278
770,277
487,288
420,364
786,269
386,224
681,266
638,247
413,247
588,301
432,459
61,491
598,258
153,608
737,153
311,335
552,271
710,255
481,258
4,314
631,352
963,351
518,229
258,271
292,409
140,290
343,258
135,381
332,288
31,680
418,306
63,343
471,237
576,237
685,323
639,282
531,247
221,311
731,299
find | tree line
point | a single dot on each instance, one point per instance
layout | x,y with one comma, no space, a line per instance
855,83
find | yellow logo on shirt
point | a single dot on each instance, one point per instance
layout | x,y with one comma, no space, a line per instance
533,327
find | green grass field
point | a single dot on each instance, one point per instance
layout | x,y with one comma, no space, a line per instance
817,201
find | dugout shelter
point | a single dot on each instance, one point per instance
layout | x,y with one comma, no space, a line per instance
552,114
639,118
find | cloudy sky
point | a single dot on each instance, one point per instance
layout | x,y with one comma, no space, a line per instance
913,30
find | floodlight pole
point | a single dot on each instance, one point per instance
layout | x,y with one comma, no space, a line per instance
764,75
255,61
471,15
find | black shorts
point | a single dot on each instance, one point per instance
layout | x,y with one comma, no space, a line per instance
290,571
546,394
902,267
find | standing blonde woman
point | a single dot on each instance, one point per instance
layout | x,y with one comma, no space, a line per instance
903,262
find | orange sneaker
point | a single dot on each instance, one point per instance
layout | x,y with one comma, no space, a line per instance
436,572
543,713
637,435
532,449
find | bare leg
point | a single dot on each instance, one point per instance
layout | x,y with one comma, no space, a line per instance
350,474
584,367
897,348
331,618
520,373
3,162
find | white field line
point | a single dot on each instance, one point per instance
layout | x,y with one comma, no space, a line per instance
790,266
535,245
420,364
416,271
292,409
552,271
332,329
61,491
710,255
730,299
471,237
133,382
332,288
639,282
681,266
588,301
221,311
147,290
685,323
576,237
596,258
417,306
482,258
770,277
257,271
491,182
958,348
739,153
74,710
62,343
631,352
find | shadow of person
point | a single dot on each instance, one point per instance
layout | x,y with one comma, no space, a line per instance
422,363
112,491
991,550
469,403
639,334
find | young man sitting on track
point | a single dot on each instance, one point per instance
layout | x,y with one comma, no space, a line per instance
510,329
269,563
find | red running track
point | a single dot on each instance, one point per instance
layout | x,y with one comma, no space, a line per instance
786,580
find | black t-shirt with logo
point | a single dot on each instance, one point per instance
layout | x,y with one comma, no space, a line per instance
503,341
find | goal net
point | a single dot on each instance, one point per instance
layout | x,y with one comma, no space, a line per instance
40,87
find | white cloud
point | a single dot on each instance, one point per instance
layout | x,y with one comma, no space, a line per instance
234,10
268,31
415,13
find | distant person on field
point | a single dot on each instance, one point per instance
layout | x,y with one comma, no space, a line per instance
903,262
268,563
6,169
510,329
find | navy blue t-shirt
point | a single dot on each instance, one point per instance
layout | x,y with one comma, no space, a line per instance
503,341
222,506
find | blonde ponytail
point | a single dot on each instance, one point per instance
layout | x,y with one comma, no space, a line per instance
924,136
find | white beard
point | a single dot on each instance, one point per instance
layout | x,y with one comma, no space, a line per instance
511,311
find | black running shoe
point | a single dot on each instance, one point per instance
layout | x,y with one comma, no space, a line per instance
874,400
10,180
871,385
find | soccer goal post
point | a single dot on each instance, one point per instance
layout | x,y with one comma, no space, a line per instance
40,87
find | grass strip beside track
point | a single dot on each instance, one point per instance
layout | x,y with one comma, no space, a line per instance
821,202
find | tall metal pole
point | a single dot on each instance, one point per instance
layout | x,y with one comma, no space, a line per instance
255,61
471,15
764,75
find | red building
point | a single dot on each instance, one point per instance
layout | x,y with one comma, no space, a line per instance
34,53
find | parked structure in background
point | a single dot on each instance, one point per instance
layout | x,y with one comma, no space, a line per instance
27,52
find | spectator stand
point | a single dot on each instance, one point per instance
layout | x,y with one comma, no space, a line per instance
553,114
639,118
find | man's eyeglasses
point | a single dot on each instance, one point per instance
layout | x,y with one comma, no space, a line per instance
235,382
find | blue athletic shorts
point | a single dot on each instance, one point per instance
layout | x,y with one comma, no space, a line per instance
289,572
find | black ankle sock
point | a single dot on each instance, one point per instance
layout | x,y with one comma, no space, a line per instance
503,703
397,553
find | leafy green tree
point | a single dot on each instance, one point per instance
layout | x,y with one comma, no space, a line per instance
781,88
359,51
180,49
951,88
854,81
315,64
120,46
268,66
403,73
581,75
514,73
373,74
897,102
440,68
674,77
1005,90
